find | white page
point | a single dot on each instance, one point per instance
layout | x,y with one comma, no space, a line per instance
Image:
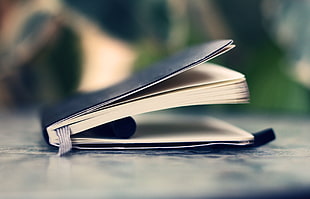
157,128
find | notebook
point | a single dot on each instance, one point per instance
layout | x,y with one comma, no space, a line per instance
104,119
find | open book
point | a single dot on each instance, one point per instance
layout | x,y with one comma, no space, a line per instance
102,119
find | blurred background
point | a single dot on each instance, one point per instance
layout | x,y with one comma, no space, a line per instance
51,49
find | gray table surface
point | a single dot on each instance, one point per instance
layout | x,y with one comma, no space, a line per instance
30,169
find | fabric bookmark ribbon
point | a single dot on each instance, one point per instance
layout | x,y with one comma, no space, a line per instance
65,144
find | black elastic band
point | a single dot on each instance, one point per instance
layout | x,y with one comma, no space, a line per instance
263,137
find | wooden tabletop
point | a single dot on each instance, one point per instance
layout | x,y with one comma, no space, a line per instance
30,169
